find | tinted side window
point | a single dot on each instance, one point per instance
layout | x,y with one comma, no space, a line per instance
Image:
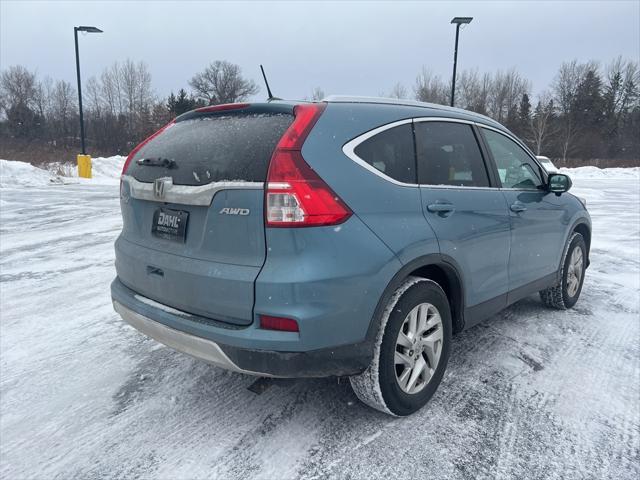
448,154
391,152
516,169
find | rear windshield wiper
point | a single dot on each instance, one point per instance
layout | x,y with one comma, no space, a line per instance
157,162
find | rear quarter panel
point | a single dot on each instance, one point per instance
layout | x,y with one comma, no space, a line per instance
329,279
392,212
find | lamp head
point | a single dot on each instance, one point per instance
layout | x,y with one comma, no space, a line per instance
88,29
461,20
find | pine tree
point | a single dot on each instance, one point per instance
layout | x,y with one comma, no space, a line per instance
177,105
184,103
524,116
589,110
171,103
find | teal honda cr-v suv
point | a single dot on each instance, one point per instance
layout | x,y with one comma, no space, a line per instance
347,237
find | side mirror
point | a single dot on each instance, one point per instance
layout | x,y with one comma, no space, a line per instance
559,183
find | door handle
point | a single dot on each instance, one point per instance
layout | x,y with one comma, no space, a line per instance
441,207
518,207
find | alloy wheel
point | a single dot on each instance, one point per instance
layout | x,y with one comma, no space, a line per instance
575,271
418,348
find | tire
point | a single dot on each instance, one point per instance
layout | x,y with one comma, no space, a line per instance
419,309
566,292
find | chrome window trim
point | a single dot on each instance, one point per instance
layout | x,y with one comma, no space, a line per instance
197,195
456,187
349,147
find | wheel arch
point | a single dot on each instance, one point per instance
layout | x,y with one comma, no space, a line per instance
582,226
585,230
439,268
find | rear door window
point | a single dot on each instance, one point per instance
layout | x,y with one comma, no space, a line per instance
213,148
391,152
448,154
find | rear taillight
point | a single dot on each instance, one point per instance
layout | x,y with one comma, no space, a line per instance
296,196
278,323
142,144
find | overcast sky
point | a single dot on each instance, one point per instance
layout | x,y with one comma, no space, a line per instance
360,48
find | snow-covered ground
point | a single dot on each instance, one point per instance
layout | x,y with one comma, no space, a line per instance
105,171
532,393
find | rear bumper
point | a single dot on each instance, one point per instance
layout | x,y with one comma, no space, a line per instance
219,344
195,346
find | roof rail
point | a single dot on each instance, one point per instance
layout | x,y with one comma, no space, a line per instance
404,102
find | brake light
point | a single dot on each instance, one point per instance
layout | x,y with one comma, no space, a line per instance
296,196
224,106
142,144
278,323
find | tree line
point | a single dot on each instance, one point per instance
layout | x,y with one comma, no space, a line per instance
589,111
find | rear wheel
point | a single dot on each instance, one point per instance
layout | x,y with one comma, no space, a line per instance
566,292
411,352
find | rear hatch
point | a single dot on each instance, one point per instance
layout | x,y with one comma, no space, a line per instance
193,217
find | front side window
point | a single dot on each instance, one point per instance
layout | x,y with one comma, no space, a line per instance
516,169
448,154
391,152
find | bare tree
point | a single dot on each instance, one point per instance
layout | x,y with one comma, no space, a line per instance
120,105
621,90
222,82
473,91
430,88
112,98
398,91
541,124
317,94
18,87
136,93
565,87
93,96
43,97
18,99
505,93
63,103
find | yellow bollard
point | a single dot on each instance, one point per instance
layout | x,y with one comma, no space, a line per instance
84,166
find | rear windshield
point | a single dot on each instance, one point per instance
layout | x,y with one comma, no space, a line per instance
211,149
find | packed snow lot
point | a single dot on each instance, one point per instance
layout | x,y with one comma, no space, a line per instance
531,393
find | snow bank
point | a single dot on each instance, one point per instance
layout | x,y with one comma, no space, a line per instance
595,172
105,170
20,173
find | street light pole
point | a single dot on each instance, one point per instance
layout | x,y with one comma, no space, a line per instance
75,35
458,21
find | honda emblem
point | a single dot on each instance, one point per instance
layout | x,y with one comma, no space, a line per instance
160,185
